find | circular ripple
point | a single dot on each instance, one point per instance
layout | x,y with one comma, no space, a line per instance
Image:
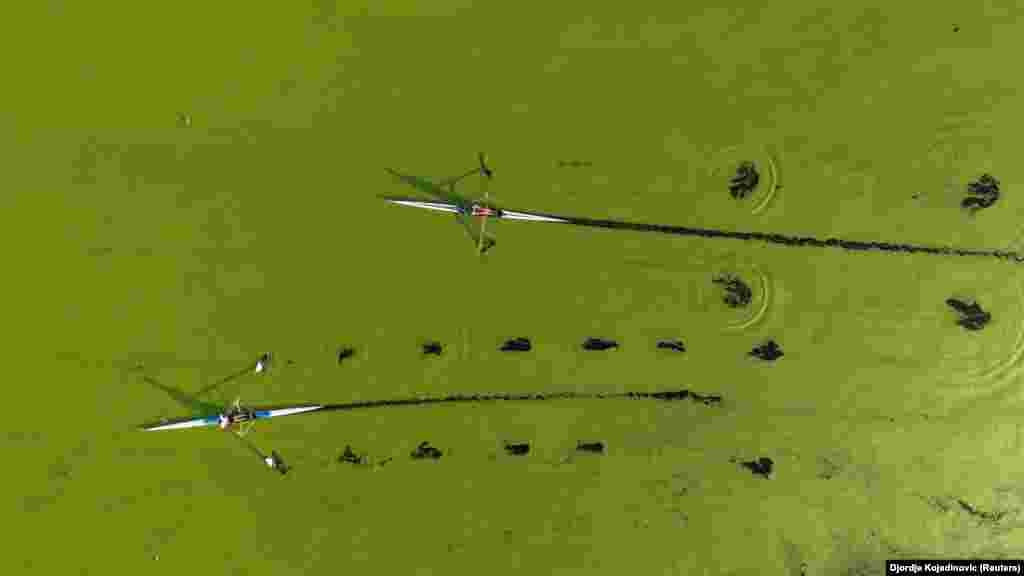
670,285
986,360
960,150
913,329
721,167
1006,332
712,295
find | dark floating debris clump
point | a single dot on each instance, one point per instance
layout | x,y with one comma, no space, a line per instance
425,452
599,344
520,449
744,181
592,447
972,316
707,400
517,345
350,457
760,467
979,514
345,353
982,193
737,293
674,345
769,351
432,349
575,163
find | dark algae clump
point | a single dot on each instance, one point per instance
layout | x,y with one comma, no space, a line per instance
575,163
350,457
982,193
673,395
345,353
972,316
518,449
674,345
517,345
706,399
425,452
599,344
760,467
432,349
744,181
737,293
769,351
592,447
992,517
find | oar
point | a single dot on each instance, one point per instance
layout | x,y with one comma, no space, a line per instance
485,174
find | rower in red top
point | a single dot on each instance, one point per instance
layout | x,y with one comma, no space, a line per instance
234,417
484,211
448,200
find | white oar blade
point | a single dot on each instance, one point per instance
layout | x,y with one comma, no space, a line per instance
194,423
437,206
526,216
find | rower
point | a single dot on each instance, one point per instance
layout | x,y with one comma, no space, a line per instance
234,415
478,210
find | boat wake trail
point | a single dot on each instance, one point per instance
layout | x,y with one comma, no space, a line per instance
669,395
795,241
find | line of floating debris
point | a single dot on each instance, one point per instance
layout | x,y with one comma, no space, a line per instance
769,350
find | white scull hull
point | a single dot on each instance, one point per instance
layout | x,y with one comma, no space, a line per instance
213,420
500,214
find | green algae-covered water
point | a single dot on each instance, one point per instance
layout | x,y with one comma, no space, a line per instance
187,186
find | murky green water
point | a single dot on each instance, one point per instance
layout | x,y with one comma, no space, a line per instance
136,236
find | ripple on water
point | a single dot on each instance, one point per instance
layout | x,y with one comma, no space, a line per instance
721,169
961,136
960,150
693,287
719,299
989,361
971,365
895,317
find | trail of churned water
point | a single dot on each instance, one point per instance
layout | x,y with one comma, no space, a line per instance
796,241
668,395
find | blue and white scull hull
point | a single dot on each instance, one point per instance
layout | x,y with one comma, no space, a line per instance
213,420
